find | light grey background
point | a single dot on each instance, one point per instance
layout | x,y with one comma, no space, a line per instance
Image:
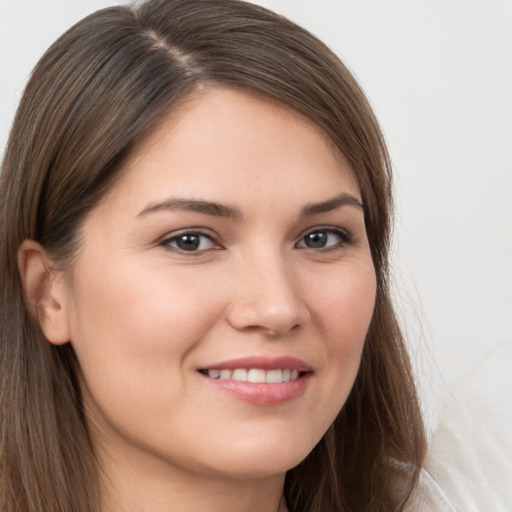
439,74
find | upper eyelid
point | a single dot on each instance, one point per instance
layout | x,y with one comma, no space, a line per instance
324,227
332,229
188,231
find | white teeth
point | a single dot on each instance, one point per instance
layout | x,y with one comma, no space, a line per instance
239,374
225,374
275,376
255,375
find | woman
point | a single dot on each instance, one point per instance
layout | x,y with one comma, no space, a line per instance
195,208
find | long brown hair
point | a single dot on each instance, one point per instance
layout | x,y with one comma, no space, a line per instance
102,86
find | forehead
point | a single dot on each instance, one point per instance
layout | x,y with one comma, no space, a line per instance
225,142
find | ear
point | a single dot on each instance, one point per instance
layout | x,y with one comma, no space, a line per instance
45,291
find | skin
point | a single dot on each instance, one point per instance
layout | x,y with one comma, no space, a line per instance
144,315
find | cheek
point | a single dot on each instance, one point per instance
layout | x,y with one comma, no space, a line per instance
344,306
140,307
134,327
343,311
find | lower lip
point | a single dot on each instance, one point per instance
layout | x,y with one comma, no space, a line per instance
262,393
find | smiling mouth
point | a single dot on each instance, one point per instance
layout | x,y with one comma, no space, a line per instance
260,381
255,375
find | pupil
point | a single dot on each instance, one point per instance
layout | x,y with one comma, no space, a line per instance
188,242
316,240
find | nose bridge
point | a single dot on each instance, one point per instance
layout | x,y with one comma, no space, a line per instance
267,295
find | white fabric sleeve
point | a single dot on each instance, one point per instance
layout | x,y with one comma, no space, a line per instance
470,454
428,497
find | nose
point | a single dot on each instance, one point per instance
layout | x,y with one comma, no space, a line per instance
267,298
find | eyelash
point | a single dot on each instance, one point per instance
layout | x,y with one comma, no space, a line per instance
345,239
166,242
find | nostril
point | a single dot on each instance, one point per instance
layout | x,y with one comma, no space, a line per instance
274,332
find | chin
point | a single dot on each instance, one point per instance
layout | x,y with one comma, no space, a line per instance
262,459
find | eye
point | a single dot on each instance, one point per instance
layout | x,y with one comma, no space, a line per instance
325,238
189,241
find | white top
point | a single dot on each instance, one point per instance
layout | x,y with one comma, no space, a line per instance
470,454
428,497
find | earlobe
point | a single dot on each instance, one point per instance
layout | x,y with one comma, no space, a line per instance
44,290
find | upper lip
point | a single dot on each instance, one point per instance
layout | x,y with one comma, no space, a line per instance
263,363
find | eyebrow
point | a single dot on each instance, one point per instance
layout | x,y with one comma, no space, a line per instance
338,201
231,212
195,206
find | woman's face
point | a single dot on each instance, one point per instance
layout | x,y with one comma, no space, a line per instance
222,292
